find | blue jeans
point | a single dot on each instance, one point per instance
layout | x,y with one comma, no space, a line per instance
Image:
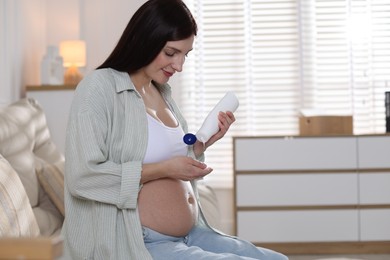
202,243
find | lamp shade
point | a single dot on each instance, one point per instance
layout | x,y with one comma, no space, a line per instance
73,53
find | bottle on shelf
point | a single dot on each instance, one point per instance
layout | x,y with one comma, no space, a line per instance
52,68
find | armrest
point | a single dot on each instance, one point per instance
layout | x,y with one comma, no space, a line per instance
43,248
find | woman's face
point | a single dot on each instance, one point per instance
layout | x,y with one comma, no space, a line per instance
169,60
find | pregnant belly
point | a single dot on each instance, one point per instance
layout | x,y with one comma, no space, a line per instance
168,206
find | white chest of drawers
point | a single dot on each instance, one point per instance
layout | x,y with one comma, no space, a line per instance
313,194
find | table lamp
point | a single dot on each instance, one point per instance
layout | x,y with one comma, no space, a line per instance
74,55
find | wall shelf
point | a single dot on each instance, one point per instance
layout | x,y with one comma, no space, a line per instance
50,87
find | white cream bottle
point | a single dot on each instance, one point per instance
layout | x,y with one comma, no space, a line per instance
210,125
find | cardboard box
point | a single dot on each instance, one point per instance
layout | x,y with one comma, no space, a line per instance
325,125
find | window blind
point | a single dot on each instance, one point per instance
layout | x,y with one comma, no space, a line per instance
280,56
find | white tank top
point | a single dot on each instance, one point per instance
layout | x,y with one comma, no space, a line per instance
163,142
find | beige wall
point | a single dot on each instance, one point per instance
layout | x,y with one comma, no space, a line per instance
30,26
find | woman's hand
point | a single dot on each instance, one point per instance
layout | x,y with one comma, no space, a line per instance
181,167
185,168
225,120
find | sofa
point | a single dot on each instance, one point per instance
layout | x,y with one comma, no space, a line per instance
31,185
31,168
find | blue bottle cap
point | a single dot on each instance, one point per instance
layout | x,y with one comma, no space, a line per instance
189,139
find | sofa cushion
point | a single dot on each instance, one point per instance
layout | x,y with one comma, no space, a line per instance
23,132
16,216
24,138
51,177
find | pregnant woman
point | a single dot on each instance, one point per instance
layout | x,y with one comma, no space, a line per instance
130,181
